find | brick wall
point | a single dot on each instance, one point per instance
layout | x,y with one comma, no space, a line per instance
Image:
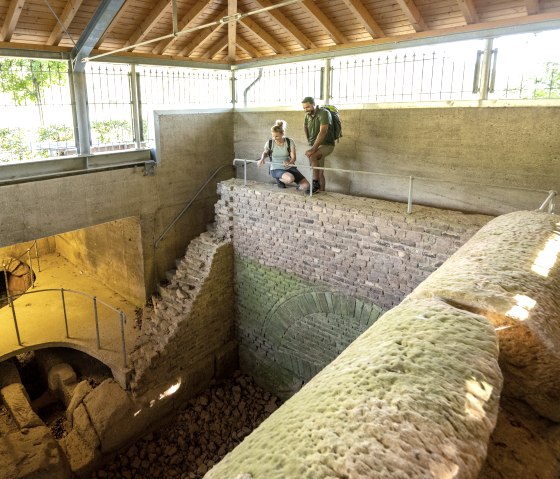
188,334
311,274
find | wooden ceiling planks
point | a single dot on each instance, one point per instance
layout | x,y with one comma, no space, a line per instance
309,25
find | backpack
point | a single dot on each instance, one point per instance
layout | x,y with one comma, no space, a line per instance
336,123
270,147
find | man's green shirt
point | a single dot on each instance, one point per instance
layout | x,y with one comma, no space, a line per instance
313,123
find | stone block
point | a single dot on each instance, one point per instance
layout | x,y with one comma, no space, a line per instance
17,402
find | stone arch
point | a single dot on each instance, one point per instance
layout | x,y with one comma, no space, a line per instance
308,330
15,278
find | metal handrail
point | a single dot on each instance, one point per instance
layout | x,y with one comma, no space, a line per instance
28,253
184,210
548,202
63,291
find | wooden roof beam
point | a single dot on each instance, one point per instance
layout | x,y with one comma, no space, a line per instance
66,18
247,47
333,32
232,32
10,22
468,9
274,45
413,14
186,22
364,17
287,25
532,6
204,35
150,22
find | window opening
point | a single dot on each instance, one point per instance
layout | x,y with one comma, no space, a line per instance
527,67
36,121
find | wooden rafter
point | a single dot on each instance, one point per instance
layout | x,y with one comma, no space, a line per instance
468,9
333,32
264,36
217,47
364,17
232,31
413,14
186,22
247,47
532,6
66,18
287,25
150,22
10,22
204,36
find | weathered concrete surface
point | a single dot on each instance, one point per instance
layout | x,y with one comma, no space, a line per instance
416,395
509,272
189,151
498,148
111,252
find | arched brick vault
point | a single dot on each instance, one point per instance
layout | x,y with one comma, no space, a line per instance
310,329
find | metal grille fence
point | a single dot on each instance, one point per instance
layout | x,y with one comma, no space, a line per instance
110,106
527,67
405,76
279,85
164,88
36,120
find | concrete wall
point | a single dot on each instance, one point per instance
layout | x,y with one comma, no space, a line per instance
311,274
190,148
503,147
112,252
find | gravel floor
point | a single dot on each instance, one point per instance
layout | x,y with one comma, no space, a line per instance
209,426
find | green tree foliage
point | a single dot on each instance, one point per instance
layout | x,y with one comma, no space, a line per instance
13,146
26,79
112,131
548,86
56,133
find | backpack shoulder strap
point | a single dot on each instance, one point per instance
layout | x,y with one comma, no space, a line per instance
289,146
270,149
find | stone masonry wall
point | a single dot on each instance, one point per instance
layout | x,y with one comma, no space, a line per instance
189,331
361,246
289,329
311,274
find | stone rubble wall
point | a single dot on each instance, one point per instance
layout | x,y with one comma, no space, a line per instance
188,336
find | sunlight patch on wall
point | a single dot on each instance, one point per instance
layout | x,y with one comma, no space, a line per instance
521,310
548,256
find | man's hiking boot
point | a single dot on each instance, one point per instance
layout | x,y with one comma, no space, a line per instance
315,187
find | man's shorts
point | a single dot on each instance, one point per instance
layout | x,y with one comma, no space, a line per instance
325,150
277,174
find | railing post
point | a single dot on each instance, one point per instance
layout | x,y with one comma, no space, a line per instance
244,172
37,257
123,321
64,310
409,207
96,321
15,319
30,268
311,182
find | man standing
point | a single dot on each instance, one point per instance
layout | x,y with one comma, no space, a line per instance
320,137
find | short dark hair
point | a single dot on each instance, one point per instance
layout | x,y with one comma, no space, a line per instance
308,99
